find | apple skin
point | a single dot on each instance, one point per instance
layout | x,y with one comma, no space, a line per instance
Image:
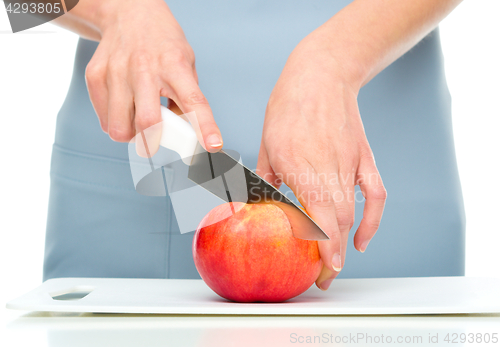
252,256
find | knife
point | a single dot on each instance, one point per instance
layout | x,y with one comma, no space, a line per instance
188,179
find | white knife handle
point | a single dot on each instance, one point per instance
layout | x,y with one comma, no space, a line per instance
178,135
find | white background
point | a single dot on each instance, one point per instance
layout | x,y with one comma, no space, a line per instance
35,71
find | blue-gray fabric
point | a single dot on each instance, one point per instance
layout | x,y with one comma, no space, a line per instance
98,226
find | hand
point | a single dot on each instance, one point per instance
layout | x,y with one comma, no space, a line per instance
313,140
143,54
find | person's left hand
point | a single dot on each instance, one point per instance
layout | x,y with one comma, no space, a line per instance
313,140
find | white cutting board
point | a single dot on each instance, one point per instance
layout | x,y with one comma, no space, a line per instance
419,295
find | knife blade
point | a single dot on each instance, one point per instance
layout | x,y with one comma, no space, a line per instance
222,174
205,167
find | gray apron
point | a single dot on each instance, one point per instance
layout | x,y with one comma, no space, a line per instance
98,226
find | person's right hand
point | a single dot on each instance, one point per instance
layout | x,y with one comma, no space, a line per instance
142,55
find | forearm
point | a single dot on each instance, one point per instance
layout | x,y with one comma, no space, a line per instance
89,18
84,19
368,35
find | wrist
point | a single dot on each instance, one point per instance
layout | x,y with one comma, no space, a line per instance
107,13
92,15
332,58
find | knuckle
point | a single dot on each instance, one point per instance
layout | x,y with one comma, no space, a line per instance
194,98
190,54
285,160
344,218
366,152
319,197
176,58
373,224
117,66
141,61
145,120
119,133
95,73
378,193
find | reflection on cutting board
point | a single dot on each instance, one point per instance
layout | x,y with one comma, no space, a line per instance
193,330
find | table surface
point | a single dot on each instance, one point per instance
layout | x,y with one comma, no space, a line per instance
72,329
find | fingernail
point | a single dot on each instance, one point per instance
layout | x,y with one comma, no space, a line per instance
214,141
325,284
362,249
337,262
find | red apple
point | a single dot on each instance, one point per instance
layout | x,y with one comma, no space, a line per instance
252,255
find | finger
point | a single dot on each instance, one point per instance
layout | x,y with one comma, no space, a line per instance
373,190
318,201
95,78
326,275
325,278
340,201
120,106
344,210
195,74
189,98
346,222
264,169
147,118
